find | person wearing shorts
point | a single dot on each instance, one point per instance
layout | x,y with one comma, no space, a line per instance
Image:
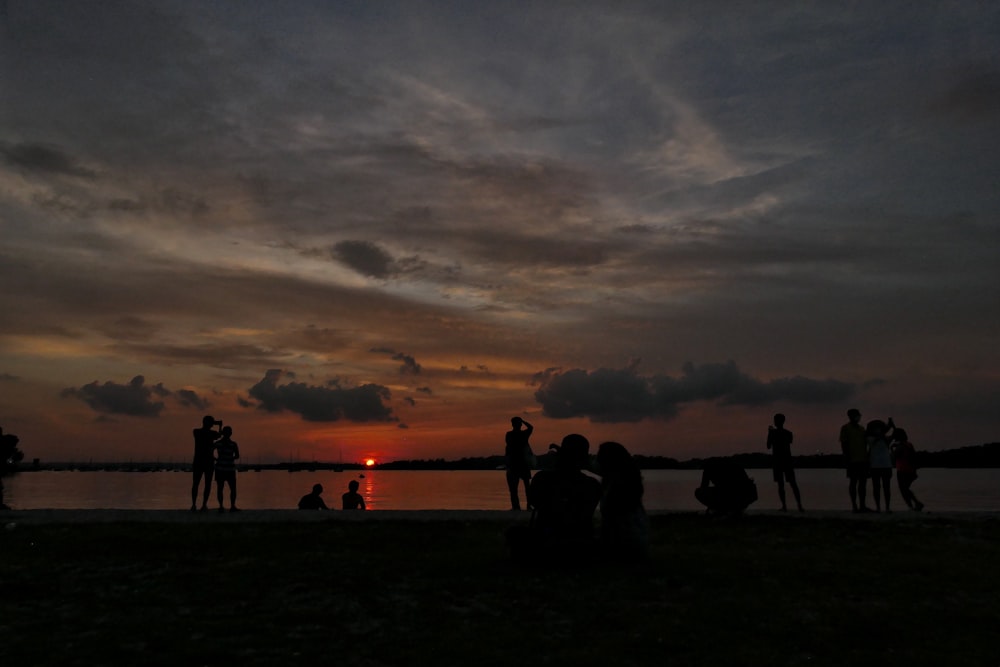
225,467
854,445
779,441
204,459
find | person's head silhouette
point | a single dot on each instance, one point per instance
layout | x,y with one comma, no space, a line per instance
573,452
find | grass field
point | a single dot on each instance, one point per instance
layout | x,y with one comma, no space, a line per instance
765,590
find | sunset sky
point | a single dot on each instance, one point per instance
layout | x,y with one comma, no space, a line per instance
383,228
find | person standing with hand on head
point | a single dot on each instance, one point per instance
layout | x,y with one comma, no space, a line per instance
204,459
517,457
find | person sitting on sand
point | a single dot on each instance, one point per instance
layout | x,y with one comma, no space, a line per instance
779,441
564,501
204,459
352,500
225,467
906,468
624,533
725,488
313,501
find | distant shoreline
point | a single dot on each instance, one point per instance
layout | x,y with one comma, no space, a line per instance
979,456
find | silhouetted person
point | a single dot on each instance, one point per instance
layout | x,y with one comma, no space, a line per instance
880,460
725,488
906,468
779,441
204,459
352,500
564,500
624,533
313,501
227,451
517,456
854,445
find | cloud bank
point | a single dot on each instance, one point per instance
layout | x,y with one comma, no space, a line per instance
623,395
134,399
329,403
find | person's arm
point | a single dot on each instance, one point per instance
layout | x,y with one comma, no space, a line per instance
770,436
236,451
528,429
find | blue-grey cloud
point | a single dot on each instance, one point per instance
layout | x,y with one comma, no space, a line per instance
623,395
409,365
191,399
365,257
42,158
135,399
329,403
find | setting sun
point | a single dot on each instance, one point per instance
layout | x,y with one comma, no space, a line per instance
370,462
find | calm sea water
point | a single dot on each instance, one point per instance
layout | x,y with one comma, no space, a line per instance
940,489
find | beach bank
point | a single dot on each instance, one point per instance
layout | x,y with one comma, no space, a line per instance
212,516
265,587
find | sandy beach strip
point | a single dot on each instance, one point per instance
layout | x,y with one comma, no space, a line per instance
92,516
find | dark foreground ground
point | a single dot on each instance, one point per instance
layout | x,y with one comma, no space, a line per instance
761,590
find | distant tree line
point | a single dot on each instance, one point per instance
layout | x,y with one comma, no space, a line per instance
10,455
978,456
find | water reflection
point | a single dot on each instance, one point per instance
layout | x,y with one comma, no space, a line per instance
941,489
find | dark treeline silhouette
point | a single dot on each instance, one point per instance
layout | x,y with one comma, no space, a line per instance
10,456
976,456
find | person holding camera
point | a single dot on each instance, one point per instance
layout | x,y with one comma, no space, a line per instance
204,459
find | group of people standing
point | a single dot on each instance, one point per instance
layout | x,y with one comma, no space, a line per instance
563,500
215,455
872,451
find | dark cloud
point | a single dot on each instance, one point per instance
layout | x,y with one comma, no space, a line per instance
976,96
425,390
328,403
135,398
191,399
42,158
409,401
622,395
7,377
410,365
364,257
